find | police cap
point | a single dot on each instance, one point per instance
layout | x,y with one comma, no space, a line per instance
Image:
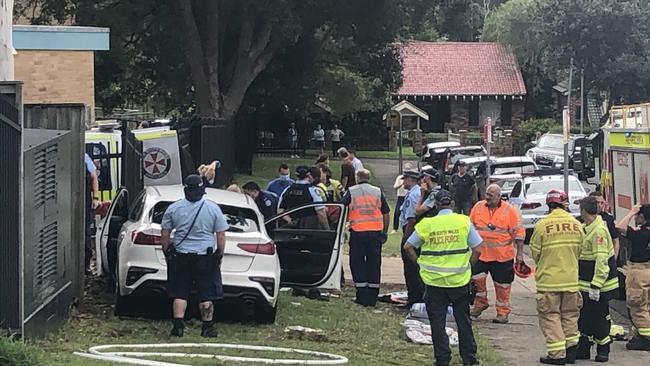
431,173
411,174
302,171
444,197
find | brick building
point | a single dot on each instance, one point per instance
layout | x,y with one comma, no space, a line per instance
460,84
56,63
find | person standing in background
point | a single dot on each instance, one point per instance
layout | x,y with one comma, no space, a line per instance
319,138
92,202
463,187
335,136
348,177
401,192
292,135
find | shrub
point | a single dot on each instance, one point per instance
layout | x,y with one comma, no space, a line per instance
14,353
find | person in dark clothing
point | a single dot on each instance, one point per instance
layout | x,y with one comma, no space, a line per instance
266,201
348,178
463,188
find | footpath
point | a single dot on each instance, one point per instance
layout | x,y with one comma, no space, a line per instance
520,342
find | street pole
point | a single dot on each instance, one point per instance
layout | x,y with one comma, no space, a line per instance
488,140
567,133
582,100
401,143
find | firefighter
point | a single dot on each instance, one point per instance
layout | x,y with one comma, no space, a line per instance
407,219
500,226
555,246
369,221
598,283
448,245
637,281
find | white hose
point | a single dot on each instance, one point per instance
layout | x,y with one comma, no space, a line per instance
134,358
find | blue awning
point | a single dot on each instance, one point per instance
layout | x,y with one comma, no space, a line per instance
63,38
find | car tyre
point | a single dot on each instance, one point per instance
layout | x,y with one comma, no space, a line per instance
121,303
266,314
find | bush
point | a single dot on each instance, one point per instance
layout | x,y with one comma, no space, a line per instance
527,130
14,353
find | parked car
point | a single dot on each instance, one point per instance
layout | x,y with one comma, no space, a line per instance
500,167
435,153
455,154
549,152
256,262
529,196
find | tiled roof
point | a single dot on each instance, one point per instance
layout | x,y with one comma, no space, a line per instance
460,68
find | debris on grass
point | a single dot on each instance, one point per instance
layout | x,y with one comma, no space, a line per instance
300,332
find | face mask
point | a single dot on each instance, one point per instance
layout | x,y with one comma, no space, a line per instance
284,177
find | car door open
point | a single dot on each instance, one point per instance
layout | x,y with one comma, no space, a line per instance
308,241
106,241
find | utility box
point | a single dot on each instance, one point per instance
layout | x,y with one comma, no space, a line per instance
50,255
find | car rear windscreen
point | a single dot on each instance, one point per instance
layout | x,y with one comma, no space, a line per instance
240,219
513,168
544,186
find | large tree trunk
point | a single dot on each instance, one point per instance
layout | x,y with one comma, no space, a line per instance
6,44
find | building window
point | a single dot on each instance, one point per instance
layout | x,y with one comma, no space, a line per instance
473,113
506,112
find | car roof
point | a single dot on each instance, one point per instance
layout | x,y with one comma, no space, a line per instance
474,159
542,178
437,145
573,136
511,159
220,196
464,148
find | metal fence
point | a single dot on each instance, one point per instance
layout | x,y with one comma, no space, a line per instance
10,208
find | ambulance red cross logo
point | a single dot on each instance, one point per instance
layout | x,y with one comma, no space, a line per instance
156,163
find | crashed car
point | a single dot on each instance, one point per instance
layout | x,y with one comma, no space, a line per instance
256,262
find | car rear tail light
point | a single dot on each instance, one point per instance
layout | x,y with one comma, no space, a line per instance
265,248
136,273
494,180
576,202
530,205
141,238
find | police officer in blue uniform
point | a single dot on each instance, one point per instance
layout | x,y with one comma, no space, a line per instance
266,201
191,255
92,202
407,221
301,193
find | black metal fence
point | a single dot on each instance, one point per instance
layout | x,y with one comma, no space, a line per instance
10,212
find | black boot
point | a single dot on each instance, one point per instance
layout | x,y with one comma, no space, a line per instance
584,349
571,354
552,361
178,328
638,343
602,353
208,330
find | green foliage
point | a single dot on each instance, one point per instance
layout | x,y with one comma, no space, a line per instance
526,133
13,353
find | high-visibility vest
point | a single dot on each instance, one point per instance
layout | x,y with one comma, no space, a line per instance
365,208
498,229
597,260
555,246
444,256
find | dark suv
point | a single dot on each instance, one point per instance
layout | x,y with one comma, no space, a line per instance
549,153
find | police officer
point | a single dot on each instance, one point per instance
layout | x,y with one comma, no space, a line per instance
429,186
555,246
369,221
267,202
407,221
92,202
301,193
448,245
598,283
191,255
637,281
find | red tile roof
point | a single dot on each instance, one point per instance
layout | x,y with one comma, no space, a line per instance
460,68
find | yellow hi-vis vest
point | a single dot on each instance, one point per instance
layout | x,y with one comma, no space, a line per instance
444,256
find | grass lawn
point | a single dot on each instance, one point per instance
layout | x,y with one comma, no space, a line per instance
379,154
365,336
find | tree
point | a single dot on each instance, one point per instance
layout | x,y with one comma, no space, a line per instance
6,44
462,20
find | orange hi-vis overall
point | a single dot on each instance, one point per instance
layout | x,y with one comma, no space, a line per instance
499,228
365,208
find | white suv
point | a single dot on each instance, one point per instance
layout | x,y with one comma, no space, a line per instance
258,258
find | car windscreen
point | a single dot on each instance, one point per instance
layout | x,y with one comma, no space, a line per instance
522,167
240,219
464,154
544,186
553,142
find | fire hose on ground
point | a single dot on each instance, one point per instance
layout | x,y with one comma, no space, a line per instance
142,350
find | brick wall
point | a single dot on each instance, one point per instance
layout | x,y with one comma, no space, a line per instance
459,115
53,77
